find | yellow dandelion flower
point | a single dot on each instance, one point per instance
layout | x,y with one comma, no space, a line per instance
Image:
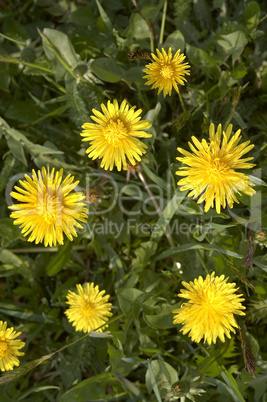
166,71
114,138
212,168
88,309
48,208
9,347
209,311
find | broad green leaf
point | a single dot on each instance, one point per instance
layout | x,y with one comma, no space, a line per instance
176,41
252,14
104,16
83,16
152,12
208,365
128,297
137,29
107,69
18,139
199,57
239,71
7,257
129,386
17,150
167,215
164,320
60,260
77,108
233,44
60,43
164,377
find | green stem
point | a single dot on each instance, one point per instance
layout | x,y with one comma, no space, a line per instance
203,262
85,336
182,101
151,35
12,40
163,22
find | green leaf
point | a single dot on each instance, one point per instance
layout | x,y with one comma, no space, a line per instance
176,41
95,334
151,382
60,260
160,376
17,150
115,260
232,384
233,44
152,12
199,57
8,231
106,69
163,320
17,141
182,119
26,112
129,386
144,253
22,314
197,246
129,297
156,179
58,47
167,215
92,388
7,257
77,108
104,16
35,390
252,14
137,29
9,163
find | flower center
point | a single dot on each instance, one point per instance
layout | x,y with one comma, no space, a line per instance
88,309
114,132
216,169
3,349
49,205
166,71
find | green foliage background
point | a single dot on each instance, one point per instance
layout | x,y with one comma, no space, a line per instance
58,61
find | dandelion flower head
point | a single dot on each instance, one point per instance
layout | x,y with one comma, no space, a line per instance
114,137
47,207
165,72
89,309
9,347
209,312
211,172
